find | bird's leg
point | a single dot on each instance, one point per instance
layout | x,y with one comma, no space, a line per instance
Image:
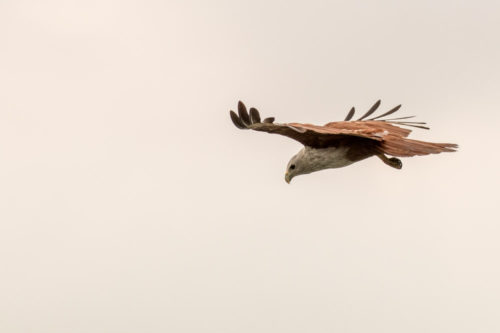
392,162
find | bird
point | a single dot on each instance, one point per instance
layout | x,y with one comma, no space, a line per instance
342,143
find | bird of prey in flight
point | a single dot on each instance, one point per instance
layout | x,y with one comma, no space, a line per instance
341,143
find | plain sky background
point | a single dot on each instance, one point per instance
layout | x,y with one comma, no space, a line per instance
130,203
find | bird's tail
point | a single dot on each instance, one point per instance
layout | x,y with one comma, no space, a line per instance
403,147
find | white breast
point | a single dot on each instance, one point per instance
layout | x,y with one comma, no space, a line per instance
325,158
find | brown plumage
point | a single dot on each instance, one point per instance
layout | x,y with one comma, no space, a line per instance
359,139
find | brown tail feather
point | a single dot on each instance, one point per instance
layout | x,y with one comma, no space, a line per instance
403,147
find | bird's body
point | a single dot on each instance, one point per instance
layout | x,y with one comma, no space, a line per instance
309,159
316,159
339,144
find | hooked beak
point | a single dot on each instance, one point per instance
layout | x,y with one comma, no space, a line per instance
287,178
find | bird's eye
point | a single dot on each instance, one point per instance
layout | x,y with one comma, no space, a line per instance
292,166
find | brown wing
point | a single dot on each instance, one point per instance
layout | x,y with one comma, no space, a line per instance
395,140
384,133
307,134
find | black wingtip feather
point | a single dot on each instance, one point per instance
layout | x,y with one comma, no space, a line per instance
372,109
410,124
391,111
269,120
350,114
399,118
236,120
242,112
254,116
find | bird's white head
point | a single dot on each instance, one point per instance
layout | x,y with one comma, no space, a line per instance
297,166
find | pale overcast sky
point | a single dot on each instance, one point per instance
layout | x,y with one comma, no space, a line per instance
130,203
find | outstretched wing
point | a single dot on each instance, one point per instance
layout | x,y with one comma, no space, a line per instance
394,139
307,134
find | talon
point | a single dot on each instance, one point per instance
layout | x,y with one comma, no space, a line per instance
392,162
396,162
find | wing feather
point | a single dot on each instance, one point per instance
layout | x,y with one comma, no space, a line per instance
350,114
372,109
254,116
399,118
237,121
391,111
242,112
